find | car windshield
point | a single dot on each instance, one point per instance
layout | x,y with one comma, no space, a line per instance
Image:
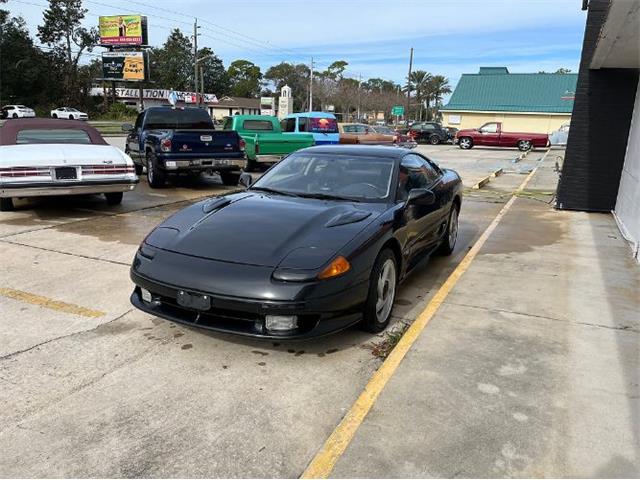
328,176
170,119
60,135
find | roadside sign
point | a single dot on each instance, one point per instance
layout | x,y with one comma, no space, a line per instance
397,110
123,30
128,66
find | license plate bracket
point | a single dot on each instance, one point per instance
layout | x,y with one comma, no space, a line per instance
66,173
194,301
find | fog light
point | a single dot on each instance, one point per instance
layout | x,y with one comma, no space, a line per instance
170,164
281,322
146,295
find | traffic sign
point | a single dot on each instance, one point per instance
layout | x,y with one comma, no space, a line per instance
397,110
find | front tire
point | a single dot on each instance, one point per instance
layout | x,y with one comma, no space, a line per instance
155,176
382,293
524,145
465,143
113,198
230,179
451,234
6,204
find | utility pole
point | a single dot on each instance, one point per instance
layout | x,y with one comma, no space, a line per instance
358,109
311,87
406,115
195,55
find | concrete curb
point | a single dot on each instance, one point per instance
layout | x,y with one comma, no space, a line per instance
483,181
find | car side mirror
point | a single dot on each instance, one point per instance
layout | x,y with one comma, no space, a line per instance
127,127
421,196
246,180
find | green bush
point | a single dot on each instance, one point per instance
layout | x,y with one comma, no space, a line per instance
119,111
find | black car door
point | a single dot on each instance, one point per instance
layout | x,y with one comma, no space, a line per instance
133,139
422,222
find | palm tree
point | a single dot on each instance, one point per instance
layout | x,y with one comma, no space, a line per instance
438,87
419,79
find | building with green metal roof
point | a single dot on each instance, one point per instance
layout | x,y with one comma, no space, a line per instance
531,102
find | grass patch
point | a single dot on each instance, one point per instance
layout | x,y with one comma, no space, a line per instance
383,348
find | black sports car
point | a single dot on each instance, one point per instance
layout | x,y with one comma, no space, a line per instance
317,244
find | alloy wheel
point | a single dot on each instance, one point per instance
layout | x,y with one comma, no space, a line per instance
386,290
453,228
465,143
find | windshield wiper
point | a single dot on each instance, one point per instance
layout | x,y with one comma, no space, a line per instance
327,196
273,190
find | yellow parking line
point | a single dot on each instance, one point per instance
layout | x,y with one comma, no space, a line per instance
49,303
325,460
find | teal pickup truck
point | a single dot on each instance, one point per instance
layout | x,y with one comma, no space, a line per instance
265,142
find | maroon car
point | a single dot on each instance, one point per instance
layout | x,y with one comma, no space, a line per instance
491,134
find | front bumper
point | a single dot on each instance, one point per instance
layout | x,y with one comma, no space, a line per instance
64,188
246,316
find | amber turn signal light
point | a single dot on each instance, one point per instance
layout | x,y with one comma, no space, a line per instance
339,266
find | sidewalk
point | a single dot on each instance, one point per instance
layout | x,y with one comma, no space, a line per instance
530,368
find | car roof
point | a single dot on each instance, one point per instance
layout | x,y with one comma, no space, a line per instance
364,150
311,115
9,130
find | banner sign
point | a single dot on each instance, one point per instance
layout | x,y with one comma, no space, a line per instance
267,106
127,66
123,30
155,94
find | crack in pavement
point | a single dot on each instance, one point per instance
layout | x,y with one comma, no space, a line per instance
623,328
18,352
79,255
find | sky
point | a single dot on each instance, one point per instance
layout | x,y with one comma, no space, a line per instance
449,37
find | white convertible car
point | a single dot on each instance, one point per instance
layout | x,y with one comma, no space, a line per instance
44,157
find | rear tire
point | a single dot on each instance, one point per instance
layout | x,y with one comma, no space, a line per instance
434,140
6,204
251,166
230,179
524,145
114,198
55,115
155,176
70,117
382,292
451,234
465,143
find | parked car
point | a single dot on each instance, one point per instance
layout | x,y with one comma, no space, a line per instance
491,134
169,141
42,157
17,111
359,133
559,137
265,142
338,227
321,125
451,133
428,132
401,140
70,113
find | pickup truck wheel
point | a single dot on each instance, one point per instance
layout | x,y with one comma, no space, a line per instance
114,198
251,166
524,145
434,140
155,176
6,204
465,143
230,179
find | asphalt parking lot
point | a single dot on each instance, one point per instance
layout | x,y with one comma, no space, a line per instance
92,387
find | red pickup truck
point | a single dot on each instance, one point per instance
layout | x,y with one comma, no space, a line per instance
491,134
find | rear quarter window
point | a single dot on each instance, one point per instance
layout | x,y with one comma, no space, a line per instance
261,125
66,135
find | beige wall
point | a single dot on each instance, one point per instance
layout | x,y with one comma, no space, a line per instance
511,122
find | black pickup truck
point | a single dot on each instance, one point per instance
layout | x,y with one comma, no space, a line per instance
170,140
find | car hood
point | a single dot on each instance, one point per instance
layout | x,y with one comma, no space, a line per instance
265,230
